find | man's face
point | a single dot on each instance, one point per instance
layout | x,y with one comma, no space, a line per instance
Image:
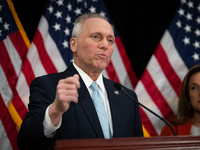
94,46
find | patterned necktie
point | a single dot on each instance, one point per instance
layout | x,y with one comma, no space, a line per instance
100,108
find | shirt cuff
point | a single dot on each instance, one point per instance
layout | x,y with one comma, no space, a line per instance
49,128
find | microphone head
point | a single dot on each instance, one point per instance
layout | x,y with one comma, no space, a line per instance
117,85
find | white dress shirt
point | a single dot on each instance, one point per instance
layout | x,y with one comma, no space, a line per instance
49,128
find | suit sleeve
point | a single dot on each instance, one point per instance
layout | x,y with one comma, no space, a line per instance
31,134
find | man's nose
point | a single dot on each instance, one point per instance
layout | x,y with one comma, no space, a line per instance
103,44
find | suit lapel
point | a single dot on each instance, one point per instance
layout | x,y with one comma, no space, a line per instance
115,103
87,104
89,109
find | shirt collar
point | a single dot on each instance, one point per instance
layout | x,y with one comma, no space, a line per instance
87,80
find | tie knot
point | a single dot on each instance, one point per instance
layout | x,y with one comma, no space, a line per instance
94,86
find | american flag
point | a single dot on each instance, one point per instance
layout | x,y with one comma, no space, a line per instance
50,52
13,47
178,50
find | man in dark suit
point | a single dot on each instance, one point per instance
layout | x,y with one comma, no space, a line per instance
61,104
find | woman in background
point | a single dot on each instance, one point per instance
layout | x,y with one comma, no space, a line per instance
187,121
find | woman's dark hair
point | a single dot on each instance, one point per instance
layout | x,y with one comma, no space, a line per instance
184,112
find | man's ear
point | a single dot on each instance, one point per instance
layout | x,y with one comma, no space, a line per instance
73,44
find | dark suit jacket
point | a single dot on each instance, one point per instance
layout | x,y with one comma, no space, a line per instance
80,121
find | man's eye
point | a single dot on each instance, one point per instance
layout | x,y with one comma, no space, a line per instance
95,36
111,41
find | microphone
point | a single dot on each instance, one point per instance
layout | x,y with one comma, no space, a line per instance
119,87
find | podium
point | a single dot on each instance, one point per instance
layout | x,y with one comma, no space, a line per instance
136,143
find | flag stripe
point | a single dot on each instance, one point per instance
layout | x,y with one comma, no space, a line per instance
33,62
120,67
146,100
8,124
50,46
111,72
156,95
5,143
28,72
129,69
174,58
5,91
19,44
147,123
167,69
7,66
13,55
19,105
44,57
162,83
22,88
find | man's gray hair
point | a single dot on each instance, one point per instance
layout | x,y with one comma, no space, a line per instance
81,19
